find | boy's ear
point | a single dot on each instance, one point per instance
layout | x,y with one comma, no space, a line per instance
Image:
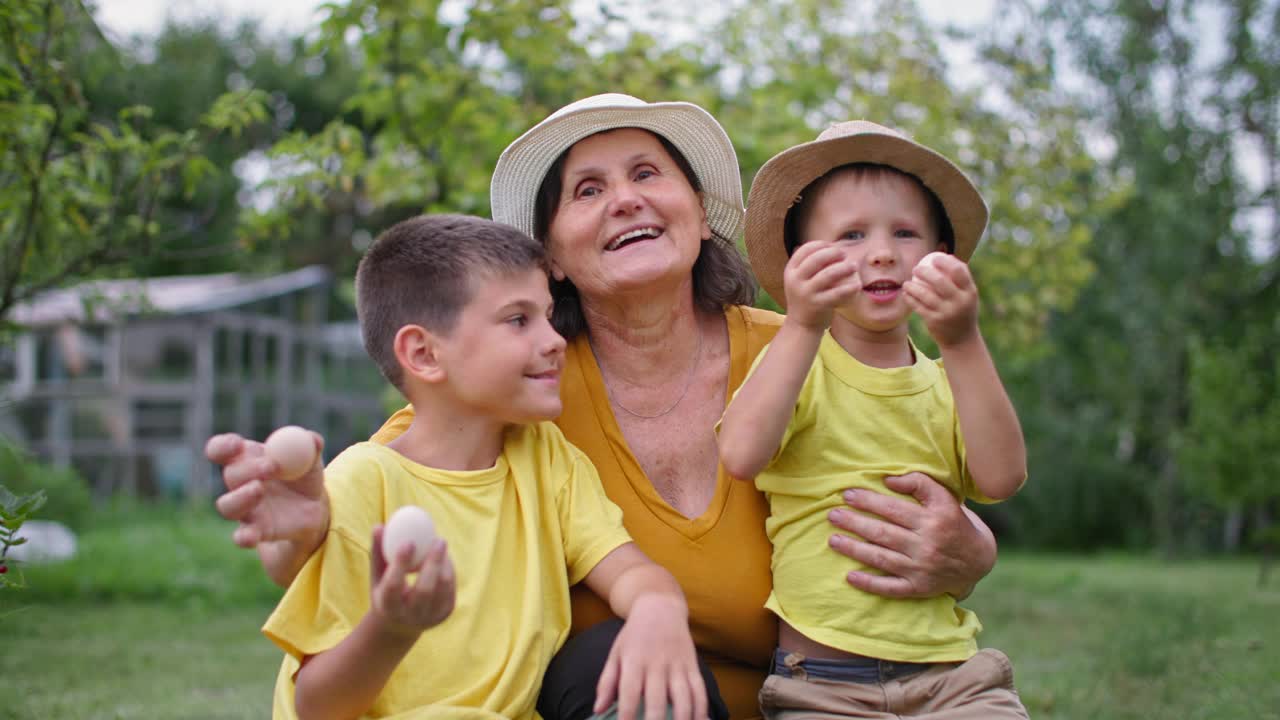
418,352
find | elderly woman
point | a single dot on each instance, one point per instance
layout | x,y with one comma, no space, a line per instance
638,205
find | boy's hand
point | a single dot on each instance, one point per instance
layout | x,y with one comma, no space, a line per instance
411,609
942,291
653,659
267,508
818,278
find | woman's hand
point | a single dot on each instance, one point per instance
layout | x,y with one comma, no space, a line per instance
285,521
935,547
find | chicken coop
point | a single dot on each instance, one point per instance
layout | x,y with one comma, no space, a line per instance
125,380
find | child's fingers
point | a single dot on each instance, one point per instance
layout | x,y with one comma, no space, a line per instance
958,272
930,276
630,685
607,687
656,692
922,295
429,572
237,504
804,251
819,256
681,698
391,587
840,269
698,689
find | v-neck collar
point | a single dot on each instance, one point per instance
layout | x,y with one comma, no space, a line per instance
607,422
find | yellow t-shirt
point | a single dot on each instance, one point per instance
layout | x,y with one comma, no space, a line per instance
720,559
520,533
854,425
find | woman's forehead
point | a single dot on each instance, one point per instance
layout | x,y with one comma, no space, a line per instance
612,146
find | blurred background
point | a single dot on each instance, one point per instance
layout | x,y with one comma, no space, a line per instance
185,190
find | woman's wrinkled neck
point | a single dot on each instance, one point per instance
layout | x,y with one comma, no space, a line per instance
637,338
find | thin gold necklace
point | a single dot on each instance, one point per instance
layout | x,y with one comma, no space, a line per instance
688,382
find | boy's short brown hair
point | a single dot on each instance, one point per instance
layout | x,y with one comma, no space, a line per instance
420,272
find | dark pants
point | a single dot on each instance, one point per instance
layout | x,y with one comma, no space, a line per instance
569,685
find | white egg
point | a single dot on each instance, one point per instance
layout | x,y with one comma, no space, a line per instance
408,525
930,260
293,449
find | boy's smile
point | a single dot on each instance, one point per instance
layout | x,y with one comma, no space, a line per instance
882,223
502,358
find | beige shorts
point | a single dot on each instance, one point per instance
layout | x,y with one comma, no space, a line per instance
979,688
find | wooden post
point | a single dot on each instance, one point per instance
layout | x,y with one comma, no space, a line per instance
200,414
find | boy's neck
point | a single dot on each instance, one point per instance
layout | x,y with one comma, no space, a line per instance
445,437
889,349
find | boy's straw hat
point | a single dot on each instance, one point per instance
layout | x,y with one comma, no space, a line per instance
523,165
778,185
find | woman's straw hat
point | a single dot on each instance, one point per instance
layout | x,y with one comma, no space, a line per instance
523,165
779,183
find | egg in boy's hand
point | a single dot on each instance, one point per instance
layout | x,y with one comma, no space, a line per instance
293,449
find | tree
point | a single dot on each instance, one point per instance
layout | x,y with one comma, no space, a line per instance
181,71
81,192
439,99
1175,270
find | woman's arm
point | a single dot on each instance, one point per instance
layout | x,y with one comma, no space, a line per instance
926,549
285,521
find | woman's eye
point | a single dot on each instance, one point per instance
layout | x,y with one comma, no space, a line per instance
518,320
588,191
645,174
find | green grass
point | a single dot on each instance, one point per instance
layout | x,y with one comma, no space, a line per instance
158,617
1132,637
136,660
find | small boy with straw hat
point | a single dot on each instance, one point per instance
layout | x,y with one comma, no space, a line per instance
852,233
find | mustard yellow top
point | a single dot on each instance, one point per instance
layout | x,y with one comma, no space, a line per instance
519,534
721,558
853,425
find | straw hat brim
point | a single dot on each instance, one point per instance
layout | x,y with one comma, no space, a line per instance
781,180
524,164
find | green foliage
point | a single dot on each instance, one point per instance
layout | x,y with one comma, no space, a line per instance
67,498
1234,424
439,98
83,187
1110,405
15,510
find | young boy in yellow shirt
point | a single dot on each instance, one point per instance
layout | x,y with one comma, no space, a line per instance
454,310
852,232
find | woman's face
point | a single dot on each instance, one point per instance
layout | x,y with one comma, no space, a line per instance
627,218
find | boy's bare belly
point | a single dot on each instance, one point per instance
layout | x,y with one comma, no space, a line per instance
792,641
